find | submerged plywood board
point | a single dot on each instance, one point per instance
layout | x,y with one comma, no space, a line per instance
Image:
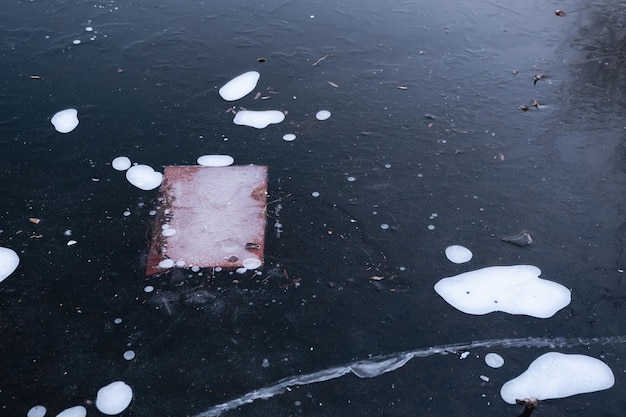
217,214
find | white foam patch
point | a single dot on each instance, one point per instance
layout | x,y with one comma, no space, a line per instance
458,254
114,398
77,411
37,411
258,119
239,86
557,375
513,289
65,121
493,360
251,263
289,137
215,160
322,115
9,262
121,163
144,177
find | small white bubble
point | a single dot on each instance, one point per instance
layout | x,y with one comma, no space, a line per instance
315,194
76,41
129,355
68,232
431,227
351,179
117,320
148,288
89,29
384,226
126,213
387,165
152,212
265,363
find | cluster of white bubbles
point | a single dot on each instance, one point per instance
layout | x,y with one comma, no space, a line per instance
111,399
143,177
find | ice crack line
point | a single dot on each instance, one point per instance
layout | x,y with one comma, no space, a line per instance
390,362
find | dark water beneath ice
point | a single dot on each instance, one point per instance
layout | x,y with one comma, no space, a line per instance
451,141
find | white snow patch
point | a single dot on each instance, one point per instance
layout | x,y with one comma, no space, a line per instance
493,360
557,375
65,121
166,263
513,289
258,119
322,115
77,411
239,86
114,398
215,160
251,263
144,177
8,262
37,411
458,254
121,163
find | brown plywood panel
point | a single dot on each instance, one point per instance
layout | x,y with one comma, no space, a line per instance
218,215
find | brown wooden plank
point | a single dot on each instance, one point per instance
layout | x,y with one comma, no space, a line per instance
218,215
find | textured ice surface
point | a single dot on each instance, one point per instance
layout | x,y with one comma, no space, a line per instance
557,375
513,289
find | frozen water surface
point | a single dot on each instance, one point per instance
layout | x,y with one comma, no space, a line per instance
431,89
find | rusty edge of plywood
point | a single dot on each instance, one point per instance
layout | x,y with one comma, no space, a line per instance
176,178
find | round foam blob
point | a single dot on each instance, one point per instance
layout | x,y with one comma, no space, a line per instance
65,121
494,360
289,137
322,115
215,160
458,254
239,86
121,163
258,119
251,263
167,263
77,411
144,177
114,398
8,262
37,411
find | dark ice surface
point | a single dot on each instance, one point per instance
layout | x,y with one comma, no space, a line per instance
426,129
